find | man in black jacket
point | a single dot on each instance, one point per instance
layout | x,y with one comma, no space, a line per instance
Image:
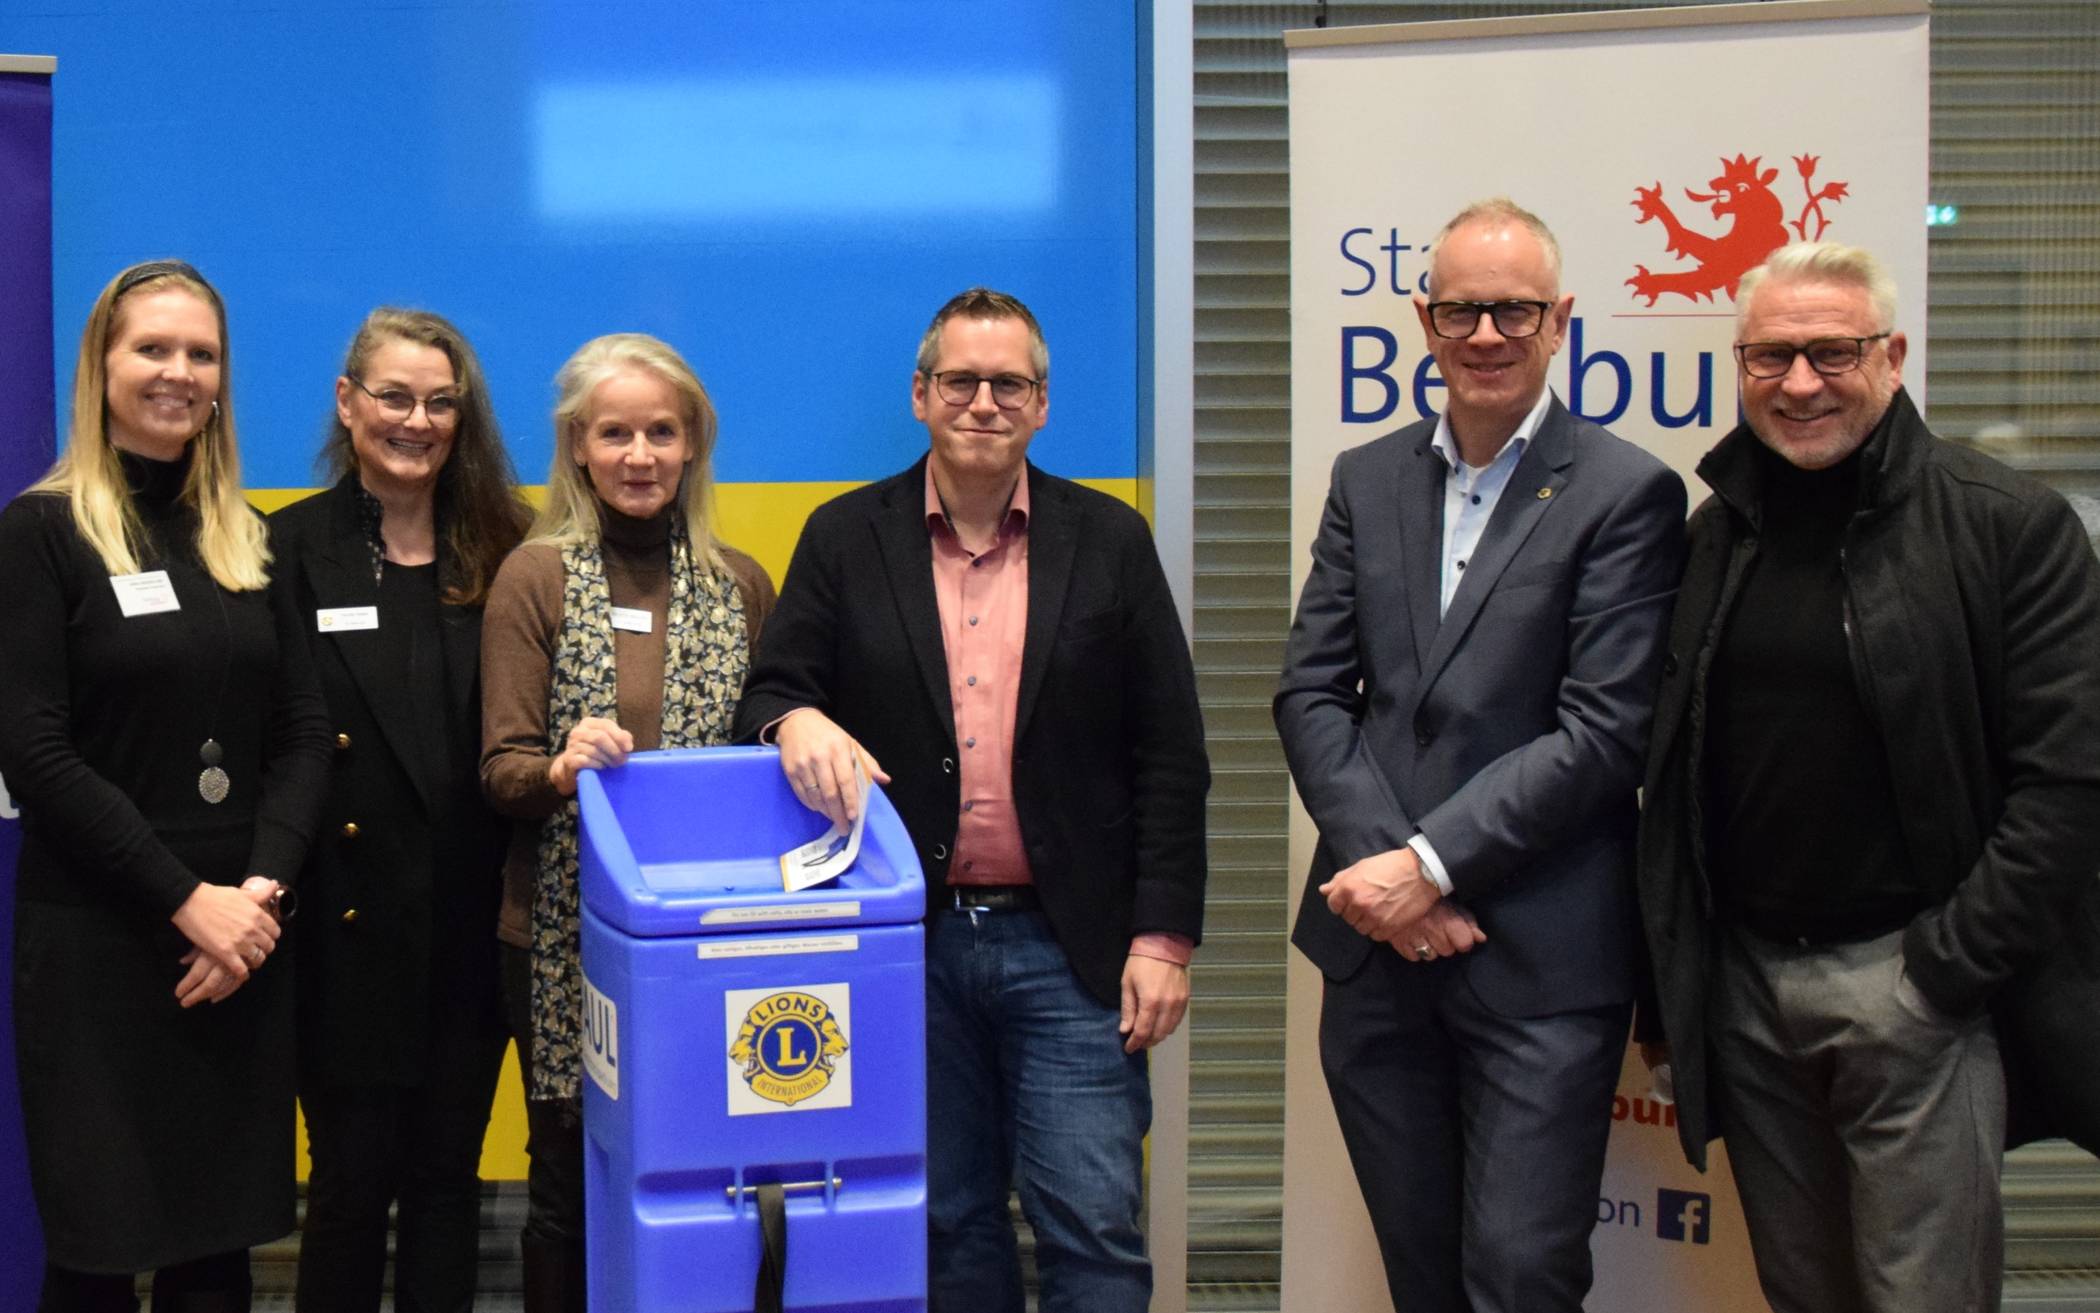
1872,803
1004,644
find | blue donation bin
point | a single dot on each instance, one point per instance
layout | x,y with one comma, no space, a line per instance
736,1036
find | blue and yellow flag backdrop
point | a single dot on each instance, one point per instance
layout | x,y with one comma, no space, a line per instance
785,192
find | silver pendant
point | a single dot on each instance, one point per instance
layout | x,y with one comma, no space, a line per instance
212,783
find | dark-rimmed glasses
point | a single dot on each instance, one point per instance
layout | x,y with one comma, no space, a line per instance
1512,318
397,405
1828,356
958,387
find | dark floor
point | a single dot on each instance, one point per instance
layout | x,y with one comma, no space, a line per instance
504,1210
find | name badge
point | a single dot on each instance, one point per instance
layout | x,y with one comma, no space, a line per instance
633,619
146,593
343,619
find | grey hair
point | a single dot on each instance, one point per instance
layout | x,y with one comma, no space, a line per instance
1823,262
570,512
1499,212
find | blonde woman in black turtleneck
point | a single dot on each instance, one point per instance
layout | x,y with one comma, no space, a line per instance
162,732
622,561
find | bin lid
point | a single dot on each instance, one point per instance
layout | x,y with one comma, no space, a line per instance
688,842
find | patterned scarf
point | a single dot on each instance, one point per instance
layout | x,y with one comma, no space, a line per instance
705,658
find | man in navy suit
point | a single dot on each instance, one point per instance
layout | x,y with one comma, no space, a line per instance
1464,705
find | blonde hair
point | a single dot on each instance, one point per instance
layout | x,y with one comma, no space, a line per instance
1823,262
570,513
231,541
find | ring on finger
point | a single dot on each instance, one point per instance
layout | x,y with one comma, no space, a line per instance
1422,953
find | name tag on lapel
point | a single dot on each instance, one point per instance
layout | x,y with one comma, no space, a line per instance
146,593
343,619
633,619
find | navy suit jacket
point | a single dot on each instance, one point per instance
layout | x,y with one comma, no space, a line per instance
1109,769
1511,730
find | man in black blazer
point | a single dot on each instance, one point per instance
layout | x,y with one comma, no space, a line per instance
1003,642
1464,706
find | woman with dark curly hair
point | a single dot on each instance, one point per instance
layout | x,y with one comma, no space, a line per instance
401,1027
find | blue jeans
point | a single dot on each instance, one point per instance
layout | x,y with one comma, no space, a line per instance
1027,1083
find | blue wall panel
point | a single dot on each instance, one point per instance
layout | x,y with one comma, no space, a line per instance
783,190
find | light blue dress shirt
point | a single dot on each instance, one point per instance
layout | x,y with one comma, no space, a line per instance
1470,494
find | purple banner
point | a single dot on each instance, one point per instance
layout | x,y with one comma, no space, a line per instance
27,444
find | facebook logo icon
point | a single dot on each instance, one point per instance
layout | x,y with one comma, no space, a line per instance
1683,1215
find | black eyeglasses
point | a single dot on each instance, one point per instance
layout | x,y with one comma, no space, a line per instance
1828,356
1512,318
398,405
959,387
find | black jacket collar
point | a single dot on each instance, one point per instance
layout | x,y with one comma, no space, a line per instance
1889,462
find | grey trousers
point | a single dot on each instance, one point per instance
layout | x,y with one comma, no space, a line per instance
1866,1129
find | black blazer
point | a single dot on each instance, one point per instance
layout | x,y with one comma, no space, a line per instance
386,891
1109,768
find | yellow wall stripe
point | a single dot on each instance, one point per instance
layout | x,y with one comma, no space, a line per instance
763,519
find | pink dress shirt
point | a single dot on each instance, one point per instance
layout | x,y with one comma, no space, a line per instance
984,619
983,600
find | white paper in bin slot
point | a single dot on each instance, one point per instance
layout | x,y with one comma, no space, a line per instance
832,853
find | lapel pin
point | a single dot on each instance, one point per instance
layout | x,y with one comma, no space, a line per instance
1544,493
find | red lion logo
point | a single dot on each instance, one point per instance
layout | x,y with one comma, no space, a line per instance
1759,227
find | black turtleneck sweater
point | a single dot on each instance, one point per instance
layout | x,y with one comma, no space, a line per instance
103,715
1804,840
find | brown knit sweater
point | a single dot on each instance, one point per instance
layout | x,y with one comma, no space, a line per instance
519,634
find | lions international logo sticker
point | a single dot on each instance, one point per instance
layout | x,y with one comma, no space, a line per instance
789,1048
1742,195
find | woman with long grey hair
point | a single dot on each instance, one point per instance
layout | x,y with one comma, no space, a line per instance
622,562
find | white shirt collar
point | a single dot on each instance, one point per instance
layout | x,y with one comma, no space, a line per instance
1446,446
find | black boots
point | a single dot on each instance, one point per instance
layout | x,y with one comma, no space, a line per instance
553,1275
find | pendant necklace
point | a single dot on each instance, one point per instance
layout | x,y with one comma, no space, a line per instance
213,783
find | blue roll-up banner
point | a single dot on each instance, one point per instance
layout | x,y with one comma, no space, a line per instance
27,443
